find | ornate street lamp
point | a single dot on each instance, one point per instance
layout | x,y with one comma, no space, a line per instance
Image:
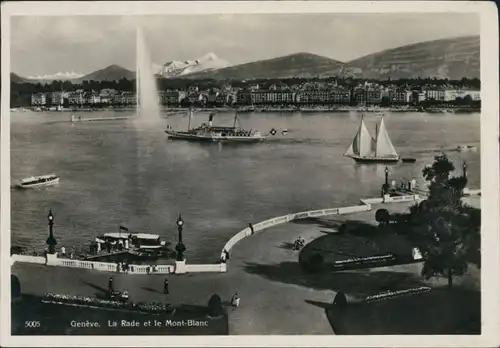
385,187
51,241
180,247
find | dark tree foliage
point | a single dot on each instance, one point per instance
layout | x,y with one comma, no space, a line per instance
443,228
382,216
215,309
15,287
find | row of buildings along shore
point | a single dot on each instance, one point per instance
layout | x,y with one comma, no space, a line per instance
306,94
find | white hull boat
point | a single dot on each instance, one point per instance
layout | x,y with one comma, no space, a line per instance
38,181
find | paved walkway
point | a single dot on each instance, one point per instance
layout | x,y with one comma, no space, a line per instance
276,296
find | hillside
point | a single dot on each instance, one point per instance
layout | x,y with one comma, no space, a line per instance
110,73
294,65
448,58
15,78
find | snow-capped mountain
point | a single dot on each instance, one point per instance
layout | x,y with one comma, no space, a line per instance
57,76
209,61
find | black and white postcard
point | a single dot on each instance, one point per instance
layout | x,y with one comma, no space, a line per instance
258,173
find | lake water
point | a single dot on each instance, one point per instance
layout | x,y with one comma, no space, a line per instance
119,172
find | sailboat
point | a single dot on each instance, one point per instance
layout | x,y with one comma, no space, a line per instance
365,149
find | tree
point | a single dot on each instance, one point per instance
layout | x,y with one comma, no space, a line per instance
15,287
382,216
443,228
215,307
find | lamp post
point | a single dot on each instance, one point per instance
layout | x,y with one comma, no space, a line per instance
51,241
180,247
385,187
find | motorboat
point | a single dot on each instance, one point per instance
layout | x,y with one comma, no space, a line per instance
465,148
38,181
124,240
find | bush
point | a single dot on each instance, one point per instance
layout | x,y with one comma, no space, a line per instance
382,216
314,264
215,309
342,228
15,287
340,300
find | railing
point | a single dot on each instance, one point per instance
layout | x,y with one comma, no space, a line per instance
297,216
365,206
408,198
28,258
206,268
222,267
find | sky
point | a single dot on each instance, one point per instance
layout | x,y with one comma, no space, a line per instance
46,45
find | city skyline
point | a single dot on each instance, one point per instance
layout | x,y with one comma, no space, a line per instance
62,42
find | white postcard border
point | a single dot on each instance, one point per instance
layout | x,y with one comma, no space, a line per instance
489,168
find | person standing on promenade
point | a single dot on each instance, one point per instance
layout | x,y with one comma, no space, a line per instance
235,300
251,228
165,287
110,285
63,251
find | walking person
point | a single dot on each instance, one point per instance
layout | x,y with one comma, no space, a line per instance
165,287
63,251
110,285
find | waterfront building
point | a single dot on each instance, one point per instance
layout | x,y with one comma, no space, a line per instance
399,96
340,96
195,97
254,87
118,99
93,97
453,94
57,98
212,95
76,98
223,98
38,99
130,98
243,97
174,97
417,96
435,94
272,97
313,96
106,95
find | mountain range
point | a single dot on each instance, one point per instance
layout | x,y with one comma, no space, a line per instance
446,58
70,75
208,62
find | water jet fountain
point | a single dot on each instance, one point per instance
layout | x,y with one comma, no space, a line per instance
147,108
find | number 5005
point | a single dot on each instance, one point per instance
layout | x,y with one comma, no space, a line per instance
31,324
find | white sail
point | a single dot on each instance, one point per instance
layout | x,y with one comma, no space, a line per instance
362,144
384,147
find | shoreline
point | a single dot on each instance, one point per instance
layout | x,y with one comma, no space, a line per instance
440,110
